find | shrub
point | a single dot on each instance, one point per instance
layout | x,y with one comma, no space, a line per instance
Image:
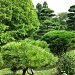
67,63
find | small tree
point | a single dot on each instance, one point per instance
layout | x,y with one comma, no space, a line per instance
24,55
59,41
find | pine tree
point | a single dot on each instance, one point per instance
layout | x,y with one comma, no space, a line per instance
71,16
44,15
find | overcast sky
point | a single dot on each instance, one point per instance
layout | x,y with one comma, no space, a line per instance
57,5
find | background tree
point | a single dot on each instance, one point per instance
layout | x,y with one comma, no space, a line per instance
62,20
44,15
48,25
18,18
71,16
44,11
59,40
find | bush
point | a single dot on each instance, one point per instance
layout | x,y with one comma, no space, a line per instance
67,63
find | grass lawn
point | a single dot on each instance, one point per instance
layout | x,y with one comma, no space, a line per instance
40,72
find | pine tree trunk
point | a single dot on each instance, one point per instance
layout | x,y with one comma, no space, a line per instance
24,71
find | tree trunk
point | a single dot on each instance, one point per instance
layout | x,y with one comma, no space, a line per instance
24,71
32,72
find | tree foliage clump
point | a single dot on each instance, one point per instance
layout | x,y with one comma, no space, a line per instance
22,55
59,40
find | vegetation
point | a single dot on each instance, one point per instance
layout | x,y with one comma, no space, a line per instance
36,39
24,55
71,16
7,71
59,40
67,63
18,20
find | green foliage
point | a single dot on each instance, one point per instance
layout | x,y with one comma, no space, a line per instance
48,25
24,54
6,37
3,28
1,61
44,12
45,5
17,16
44,16
62,20
67,63
71,16
52,24
59,40
39,43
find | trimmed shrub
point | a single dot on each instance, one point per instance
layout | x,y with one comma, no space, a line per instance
59,40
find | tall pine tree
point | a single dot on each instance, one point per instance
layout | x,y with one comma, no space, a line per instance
44,15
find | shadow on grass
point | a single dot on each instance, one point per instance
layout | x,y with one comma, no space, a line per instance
12,74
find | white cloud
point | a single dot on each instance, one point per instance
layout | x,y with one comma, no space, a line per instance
57,5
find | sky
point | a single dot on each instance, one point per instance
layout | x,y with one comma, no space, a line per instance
57,5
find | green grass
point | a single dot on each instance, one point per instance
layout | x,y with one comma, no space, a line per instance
40,72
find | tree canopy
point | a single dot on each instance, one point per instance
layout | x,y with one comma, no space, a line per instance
59,40
18,18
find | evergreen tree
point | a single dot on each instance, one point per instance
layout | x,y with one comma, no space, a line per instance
59,40
44,12
44,15
71,16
